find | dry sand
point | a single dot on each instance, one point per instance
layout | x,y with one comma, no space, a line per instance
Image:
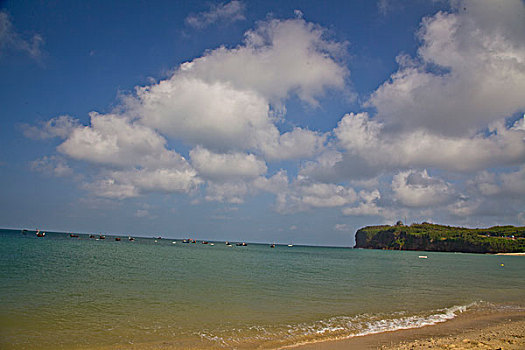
501,330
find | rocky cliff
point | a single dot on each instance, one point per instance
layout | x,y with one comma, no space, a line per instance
431,237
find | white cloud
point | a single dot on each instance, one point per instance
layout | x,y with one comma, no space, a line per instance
60,127
222,167
418,189
296,144
303,194
230,192
514,182
54,166
278,58
113,140
381,150
132,183
368,205
227,99
215,115
224,12
110,188
469,71
10,39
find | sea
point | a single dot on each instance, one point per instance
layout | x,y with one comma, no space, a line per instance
58,292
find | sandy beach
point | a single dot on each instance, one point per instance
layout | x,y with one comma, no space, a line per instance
499,330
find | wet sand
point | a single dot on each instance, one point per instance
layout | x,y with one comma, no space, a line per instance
491,330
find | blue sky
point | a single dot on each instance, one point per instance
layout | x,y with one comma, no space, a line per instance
286,121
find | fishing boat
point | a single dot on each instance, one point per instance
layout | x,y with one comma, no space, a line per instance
72,235
40,234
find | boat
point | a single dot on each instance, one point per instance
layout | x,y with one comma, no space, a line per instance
72,235
204,242
131,239
185,241
24,232
228,244
238,244
91,236
102,237
423,257
117,239
290,245
272,245
40,234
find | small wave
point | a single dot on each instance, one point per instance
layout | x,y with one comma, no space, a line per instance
339,327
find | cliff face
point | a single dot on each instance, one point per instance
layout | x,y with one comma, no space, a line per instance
429,237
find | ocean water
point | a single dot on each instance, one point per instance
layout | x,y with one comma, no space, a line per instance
59,292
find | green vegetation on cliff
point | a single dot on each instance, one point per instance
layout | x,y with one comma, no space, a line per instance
431,237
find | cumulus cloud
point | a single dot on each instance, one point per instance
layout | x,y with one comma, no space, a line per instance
226,166
418,189
132,183
53,166
232,11
277,58
368,205
303,194
112,139
469,71
230,192
10,39
60,127
369,149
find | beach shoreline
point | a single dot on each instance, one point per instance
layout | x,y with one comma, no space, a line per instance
503,329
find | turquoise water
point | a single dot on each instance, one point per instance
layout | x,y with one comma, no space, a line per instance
62,292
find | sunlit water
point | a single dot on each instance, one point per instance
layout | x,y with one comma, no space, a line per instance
62,292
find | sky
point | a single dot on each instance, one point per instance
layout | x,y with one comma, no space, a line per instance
261,121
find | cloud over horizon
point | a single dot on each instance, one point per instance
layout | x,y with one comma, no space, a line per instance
442,135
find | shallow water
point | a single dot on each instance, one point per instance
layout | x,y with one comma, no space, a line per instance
62,292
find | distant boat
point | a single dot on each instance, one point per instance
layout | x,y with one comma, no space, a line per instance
185,241
173,242
204,242
24,232
117,239
91,236
228,244
212,244
272,245
423,257
131,239
238,244
72,235
102,237
40,234
290,245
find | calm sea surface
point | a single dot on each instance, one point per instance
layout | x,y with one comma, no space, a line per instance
60,292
